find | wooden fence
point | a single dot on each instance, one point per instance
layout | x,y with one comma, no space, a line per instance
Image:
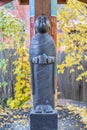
68,87
8,91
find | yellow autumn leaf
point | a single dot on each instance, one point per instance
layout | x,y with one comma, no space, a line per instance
72,70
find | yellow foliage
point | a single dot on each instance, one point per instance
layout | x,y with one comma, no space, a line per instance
82,75
61,68
69,60
72,70
80,67
22,85
73,23
81,111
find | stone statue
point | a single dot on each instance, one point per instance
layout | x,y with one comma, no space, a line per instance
42,58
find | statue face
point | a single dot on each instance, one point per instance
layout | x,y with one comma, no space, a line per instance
42,24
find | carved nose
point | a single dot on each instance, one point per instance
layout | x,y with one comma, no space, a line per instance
42,24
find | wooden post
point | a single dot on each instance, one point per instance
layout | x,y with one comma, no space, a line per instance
84,1
46,7
54,20
2,2
61,1
23,2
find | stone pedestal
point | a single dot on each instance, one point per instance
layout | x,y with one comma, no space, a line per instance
43,121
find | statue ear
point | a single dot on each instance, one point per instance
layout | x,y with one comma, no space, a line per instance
49,27
35,26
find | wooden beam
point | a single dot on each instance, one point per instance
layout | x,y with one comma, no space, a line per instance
23,2
84,1
45,7
2,2
61,1
42,7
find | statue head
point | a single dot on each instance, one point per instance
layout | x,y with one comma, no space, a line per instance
42,24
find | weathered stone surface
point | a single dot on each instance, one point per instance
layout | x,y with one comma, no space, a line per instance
42,58
43,121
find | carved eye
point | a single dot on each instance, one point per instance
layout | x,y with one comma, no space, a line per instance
39,19
44,20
